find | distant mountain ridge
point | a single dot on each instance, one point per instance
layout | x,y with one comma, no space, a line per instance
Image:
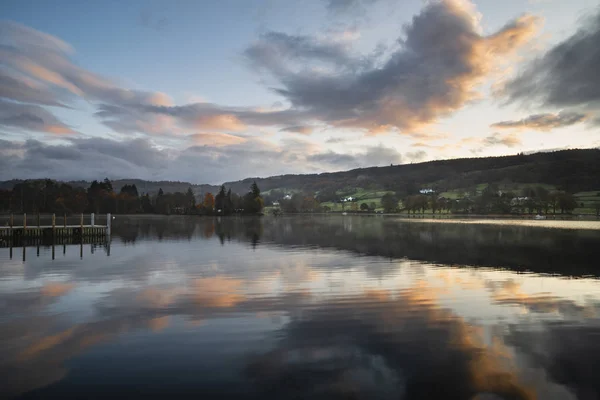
571,170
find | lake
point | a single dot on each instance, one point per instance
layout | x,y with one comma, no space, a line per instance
306,307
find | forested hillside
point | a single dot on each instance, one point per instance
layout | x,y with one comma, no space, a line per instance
567,180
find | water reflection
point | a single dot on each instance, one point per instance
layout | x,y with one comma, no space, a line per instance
306,308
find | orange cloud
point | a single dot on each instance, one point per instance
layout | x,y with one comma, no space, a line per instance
225,122
59,130
216,139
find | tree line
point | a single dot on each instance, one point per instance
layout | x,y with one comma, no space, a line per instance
491,200
49,196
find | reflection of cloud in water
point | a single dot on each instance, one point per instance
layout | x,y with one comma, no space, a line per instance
217,292
510,292
380,344
56,289
568,353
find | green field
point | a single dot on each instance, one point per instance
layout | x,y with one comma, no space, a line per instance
589,199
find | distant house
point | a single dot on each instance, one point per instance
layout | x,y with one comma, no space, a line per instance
349,198
518,201
287,197
426,191
276,203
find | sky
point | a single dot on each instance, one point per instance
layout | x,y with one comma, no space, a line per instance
208,92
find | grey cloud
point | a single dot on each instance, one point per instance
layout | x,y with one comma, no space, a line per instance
83,159
347,6
505,140
30,117
333,140
209,116
25,90
96,157
416,156
44,58
430,76
21,35
543,122
301,129
566,75
372,156
279,52
149,20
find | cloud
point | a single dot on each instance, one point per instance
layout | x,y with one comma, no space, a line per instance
543,122
31,118
495,139
566,75
348,6
333,140
24,89
301,129
153,22
206,116
215,139
416,156
203,162
84,159
441,59
44,58
372,156
280,52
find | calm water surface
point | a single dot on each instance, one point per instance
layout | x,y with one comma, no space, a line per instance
307,308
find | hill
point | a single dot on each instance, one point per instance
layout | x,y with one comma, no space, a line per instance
569,170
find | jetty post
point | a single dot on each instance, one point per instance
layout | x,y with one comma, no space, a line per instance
108,222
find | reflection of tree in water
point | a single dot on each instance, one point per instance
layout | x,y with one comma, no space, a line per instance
248,229
131,228
517,247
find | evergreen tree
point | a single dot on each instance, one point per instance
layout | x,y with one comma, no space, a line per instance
255,190
191,199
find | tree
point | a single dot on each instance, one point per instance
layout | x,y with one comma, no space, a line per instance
220,201
253,202
146,204
190,199
354,206
389,202
364,207
566,202
255,190
129,190
372,206
209,202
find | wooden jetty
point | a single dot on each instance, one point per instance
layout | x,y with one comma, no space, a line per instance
37,232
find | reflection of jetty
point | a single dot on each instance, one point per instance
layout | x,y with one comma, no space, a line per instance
105,245
14,235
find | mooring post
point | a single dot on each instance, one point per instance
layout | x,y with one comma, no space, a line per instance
53,222
108,222
65,220
38,220
12,220
81,223
24,221
92,219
